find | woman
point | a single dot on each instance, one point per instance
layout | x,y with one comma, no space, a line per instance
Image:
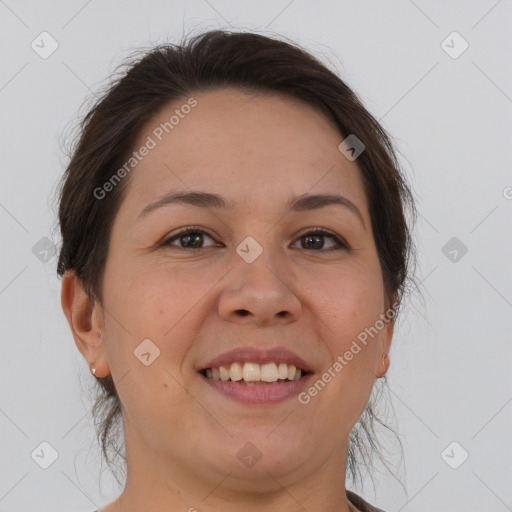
234,254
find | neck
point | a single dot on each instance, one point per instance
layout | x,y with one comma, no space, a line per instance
156,484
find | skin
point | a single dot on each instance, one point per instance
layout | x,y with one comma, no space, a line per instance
182,437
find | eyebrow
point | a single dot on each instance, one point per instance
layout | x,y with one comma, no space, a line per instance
305,202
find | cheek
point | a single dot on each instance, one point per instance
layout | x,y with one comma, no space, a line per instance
161,303
151,300
155,305
132,303
346,301
344,308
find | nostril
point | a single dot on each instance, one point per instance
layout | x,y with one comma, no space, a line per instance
243,312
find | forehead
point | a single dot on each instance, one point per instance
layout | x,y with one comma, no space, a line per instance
248,146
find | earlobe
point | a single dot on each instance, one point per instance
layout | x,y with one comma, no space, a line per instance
384,365
84,319
384,361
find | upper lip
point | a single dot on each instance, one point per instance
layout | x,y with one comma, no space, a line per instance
259,356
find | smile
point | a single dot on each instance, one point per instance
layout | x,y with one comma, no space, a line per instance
254,372
256,383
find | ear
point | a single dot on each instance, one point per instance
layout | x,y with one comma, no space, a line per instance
86,323
386,335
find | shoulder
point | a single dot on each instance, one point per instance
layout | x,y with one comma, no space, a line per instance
361,504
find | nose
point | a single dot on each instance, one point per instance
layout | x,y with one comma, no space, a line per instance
261,293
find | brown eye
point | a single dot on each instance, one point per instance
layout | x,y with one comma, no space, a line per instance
314,240
189,238
193,239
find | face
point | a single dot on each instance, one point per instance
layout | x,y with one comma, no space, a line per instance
253,274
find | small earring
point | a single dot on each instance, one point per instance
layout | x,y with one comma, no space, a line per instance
93,370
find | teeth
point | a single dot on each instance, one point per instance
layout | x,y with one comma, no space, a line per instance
282,371
224,373
253,372
236,371
269,372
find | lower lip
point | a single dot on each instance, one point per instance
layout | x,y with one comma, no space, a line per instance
262,394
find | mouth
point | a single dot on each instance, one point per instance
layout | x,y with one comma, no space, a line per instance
253,383
254,374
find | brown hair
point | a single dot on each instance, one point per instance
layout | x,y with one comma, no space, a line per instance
212,60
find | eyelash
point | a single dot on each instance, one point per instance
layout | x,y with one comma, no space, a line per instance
341,244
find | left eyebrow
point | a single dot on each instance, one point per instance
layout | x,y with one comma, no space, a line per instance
308,202
305,202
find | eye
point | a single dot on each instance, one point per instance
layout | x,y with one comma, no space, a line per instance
193,238
314,241
190,238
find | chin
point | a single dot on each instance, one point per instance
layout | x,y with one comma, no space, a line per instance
261,459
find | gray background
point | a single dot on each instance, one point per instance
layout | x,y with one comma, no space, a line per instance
450,375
